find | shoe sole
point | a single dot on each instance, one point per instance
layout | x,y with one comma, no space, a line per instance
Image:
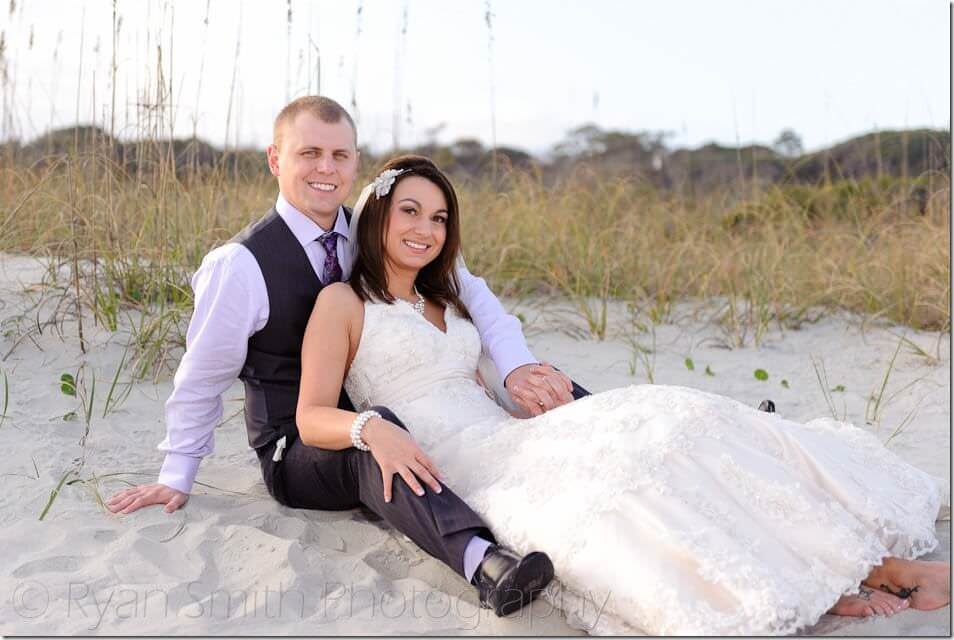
533,574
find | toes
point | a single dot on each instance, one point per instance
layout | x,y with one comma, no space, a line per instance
885,598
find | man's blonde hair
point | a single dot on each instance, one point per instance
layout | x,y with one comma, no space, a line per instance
325,109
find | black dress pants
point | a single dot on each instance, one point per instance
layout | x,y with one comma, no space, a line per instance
312,478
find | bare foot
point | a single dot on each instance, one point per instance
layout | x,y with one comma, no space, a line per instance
868,602
932,585
926,584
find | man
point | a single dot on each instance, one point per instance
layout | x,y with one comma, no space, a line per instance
253,298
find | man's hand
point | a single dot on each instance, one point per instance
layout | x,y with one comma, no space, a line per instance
143,495
537,388
395,451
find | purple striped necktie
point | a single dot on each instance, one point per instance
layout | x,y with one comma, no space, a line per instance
332,270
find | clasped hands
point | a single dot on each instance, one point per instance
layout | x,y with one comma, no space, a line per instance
537,388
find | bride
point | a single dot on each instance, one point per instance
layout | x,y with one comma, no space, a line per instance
684,511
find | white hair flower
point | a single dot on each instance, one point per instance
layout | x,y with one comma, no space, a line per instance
382,184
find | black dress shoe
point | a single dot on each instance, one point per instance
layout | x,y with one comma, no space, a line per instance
506,582
767,406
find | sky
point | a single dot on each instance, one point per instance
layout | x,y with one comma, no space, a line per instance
410,71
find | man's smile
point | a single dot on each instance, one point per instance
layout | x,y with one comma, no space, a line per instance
323,186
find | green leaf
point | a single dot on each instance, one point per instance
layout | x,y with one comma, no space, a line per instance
839,387
69,417
761,374
68,384
690,365
709,371
785,383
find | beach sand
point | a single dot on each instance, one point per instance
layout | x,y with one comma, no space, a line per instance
234,562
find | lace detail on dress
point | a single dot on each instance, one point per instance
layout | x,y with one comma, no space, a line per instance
665,509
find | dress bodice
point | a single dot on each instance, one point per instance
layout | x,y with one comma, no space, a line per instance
426,376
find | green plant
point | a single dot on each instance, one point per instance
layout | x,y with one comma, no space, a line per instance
110,403
56,491
6,397
822,376
873,406
75,386
640,354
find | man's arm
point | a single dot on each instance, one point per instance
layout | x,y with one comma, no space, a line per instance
231,304
534,387
500,332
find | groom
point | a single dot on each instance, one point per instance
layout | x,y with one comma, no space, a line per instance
253,298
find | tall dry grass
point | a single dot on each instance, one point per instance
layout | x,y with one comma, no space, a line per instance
769,257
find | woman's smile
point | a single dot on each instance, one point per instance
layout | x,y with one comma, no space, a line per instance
417,247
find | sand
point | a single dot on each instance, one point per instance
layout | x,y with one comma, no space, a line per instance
234,562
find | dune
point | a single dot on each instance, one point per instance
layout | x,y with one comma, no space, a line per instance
235,562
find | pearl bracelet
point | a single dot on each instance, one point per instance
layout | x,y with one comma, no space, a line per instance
358,425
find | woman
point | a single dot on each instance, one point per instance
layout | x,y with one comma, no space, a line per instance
686,512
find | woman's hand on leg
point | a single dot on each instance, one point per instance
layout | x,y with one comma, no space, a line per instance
396,452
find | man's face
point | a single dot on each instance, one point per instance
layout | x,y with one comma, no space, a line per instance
316,163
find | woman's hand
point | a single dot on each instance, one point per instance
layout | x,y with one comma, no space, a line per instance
537,388
395,451
144,495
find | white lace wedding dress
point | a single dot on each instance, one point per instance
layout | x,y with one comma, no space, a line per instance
665,509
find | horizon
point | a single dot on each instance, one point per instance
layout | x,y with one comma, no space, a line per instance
537,156
733,73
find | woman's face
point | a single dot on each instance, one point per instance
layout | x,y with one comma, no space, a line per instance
417,223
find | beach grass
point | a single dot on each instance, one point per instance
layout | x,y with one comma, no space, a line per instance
771,255
128,244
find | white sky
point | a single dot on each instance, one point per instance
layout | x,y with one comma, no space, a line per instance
729,71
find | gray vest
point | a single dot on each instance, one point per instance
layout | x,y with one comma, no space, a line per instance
272,369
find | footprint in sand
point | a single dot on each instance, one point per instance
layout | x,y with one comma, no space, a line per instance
160,532
323,537
279,526
390,562
56,564
105,535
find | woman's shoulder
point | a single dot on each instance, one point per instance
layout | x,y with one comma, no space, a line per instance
339,296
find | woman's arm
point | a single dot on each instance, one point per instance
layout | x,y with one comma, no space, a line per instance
330,341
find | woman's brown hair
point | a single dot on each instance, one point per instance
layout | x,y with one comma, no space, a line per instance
437,280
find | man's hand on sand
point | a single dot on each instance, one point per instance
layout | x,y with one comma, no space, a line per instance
395,451
537,388
144,495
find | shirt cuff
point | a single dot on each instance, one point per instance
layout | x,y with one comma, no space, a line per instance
178,471
509,357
